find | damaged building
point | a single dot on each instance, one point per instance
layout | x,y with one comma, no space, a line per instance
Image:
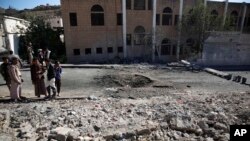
103,30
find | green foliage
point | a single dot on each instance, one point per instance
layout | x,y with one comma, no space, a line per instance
197,23
41,35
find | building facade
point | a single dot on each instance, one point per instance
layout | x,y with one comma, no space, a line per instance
103,30
13,28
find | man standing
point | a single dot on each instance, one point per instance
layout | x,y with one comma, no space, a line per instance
37,77
16,80
50,78
4,71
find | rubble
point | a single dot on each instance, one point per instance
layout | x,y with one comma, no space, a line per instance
156,118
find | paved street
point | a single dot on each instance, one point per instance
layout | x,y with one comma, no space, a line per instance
81,82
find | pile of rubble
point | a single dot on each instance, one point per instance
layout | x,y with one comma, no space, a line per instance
172,117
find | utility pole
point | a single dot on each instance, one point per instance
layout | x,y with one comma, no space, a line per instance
179,31
124,28
154,30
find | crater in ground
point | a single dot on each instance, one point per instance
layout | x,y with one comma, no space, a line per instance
121,80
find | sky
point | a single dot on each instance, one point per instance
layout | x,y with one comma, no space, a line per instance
22,4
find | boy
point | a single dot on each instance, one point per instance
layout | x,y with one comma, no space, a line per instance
50,78
58,71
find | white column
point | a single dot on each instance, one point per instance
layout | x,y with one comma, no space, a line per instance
243,18
154,30
179,30
124,28
225,14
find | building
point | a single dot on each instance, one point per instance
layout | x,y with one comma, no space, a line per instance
101,30
55,22
13,28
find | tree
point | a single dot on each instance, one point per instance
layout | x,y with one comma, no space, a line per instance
41,35
198,21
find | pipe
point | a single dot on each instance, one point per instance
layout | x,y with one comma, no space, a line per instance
179,30
243,18
154,30
225,14
124,28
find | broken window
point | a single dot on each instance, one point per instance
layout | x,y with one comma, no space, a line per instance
128,4
110,49
158,19
214,13
99,50
167,16
87,51
119,19
234,18
150,3
129,42
176,20
139,4
139,35
97,15
76,52
120,49
165,47
73,19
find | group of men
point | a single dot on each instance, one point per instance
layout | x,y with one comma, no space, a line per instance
10,70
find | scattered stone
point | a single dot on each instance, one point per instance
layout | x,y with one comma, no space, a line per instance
92,97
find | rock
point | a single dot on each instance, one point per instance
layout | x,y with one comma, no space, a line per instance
114,90
92,97
44,128
209,139
73,135
221,126
203,125
118,136
182,124
212,115
60,133
143,132
86,138
5,137
96,128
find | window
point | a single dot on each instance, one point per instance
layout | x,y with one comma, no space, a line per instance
139,35
76,52
99,50
214,13
128,4
73,19
150,3
165,47
87,51
110,49
174,50
120,49
139,4
167,16
129,42
248,21
97,15
234,18
158,19
176,20
119,19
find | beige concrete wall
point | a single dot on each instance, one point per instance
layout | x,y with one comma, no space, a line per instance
85,36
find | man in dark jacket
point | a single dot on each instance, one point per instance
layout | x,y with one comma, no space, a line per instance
4,71
50,78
